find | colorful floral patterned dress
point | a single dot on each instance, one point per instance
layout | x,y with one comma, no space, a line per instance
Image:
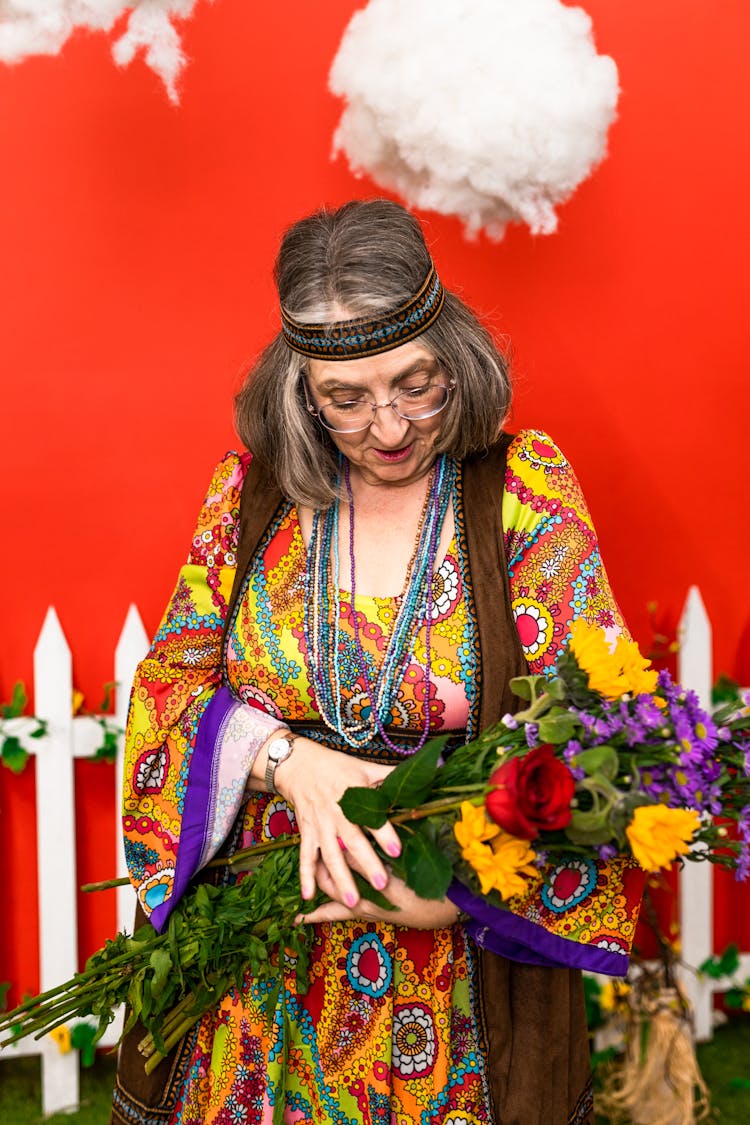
387,1031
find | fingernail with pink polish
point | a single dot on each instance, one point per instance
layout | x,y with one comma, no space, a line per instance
379,882
350,900
394,849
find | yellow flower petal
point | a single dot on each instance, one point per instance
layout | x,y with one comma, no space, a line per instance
61,1036
474,825
657,835
639,676
611,672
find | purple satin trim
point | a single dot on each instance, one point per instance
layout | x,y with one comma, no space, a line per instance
518,939
197,802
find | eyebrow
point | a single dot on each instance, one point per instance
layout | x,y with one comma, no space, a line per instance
426,365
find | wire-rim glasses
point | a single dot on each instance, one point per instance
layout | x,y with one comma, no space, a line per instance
415,404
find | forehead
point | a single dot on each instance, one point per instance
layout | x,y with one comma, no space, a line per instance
383,370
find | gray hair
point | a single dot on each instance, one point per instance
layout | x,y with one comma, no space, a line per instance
364,259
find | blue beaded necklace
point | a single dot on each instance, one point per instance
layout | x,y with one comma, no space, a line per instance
323,609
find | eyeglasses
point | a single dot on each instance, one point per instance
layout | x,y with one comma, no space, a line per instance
414,405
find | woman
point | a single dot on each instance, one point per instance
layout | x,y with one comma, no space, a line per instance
395,560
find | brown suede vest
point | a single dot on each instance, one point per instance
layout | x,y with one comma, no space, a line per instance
532,1020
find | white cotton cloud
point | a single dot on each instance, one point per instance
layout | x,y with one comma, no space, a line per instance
491,110
41,27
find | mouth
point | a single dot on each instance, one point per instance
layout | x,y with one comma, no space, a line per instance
394,455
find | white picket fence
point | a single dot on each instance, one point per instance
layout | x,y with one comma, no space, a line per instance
68,738
71,738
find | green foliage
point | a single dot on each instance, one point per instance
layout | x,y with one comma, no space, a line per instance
107,750
17,704
428,869
364,806
12,753
599,760
410,783
83,1039
725,965
558,726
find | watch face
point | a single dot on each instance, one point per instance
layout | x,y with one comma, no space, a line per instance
279,749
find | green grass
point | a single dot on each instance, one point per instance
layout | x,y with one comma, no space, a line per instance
723,1061
21,1093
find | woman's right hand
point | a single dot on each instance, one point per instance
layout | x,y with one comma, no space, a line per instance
312,779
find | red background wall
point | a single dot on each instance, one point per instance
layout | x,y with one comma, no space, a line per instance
137,243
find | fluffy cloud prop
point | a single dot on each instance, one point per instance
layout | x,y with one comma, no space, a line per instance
492,110
41,27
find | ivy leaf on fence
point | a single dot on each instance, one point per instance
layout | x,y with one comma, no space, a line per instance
13,754
18,701
725,965
83,1038
107,751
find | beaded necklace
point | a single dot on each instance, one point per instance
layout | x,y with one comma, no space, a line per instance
322,615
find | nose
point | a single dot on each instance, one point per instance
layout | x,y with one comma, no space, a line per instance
388,426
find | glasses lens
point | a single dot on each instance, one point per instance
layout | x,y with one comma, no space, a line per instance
421,402
346,417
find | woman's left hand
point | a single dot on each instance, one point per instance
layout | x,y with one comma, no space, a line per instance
418,913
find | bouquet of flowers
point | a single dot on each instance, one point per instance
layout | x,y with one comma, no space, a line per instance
541,830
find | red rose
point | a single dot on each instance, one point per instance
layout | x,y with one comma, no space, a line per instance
531,793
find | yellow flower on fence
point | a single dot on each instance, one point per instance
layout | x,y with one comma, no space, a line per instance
657,835
61,1036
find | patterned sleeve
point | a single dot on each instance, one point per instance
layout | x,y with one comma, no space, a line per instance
178,708
556,571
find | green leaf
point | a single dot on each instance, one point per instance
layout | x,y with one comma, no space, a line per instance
734,997
364,806
589,828
18,701
557,728
411,781
428,869
730,960
83,1038
161,962
601,760
376,897
107,697
13,754
555,688
523,686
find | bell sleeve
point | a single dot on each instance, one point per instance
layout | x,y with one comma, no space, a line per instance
554,563
189,744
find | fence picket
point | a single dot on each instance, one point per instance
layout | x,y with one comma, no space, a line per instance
58,928
696,879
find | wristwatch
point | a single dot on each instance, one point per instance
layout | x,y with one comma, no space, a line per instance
278,751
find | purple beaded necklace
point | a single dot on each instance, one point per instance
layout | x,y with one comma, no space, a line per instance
437,480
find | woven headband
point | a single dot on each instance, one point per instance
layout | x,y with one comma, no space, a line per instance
351,339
